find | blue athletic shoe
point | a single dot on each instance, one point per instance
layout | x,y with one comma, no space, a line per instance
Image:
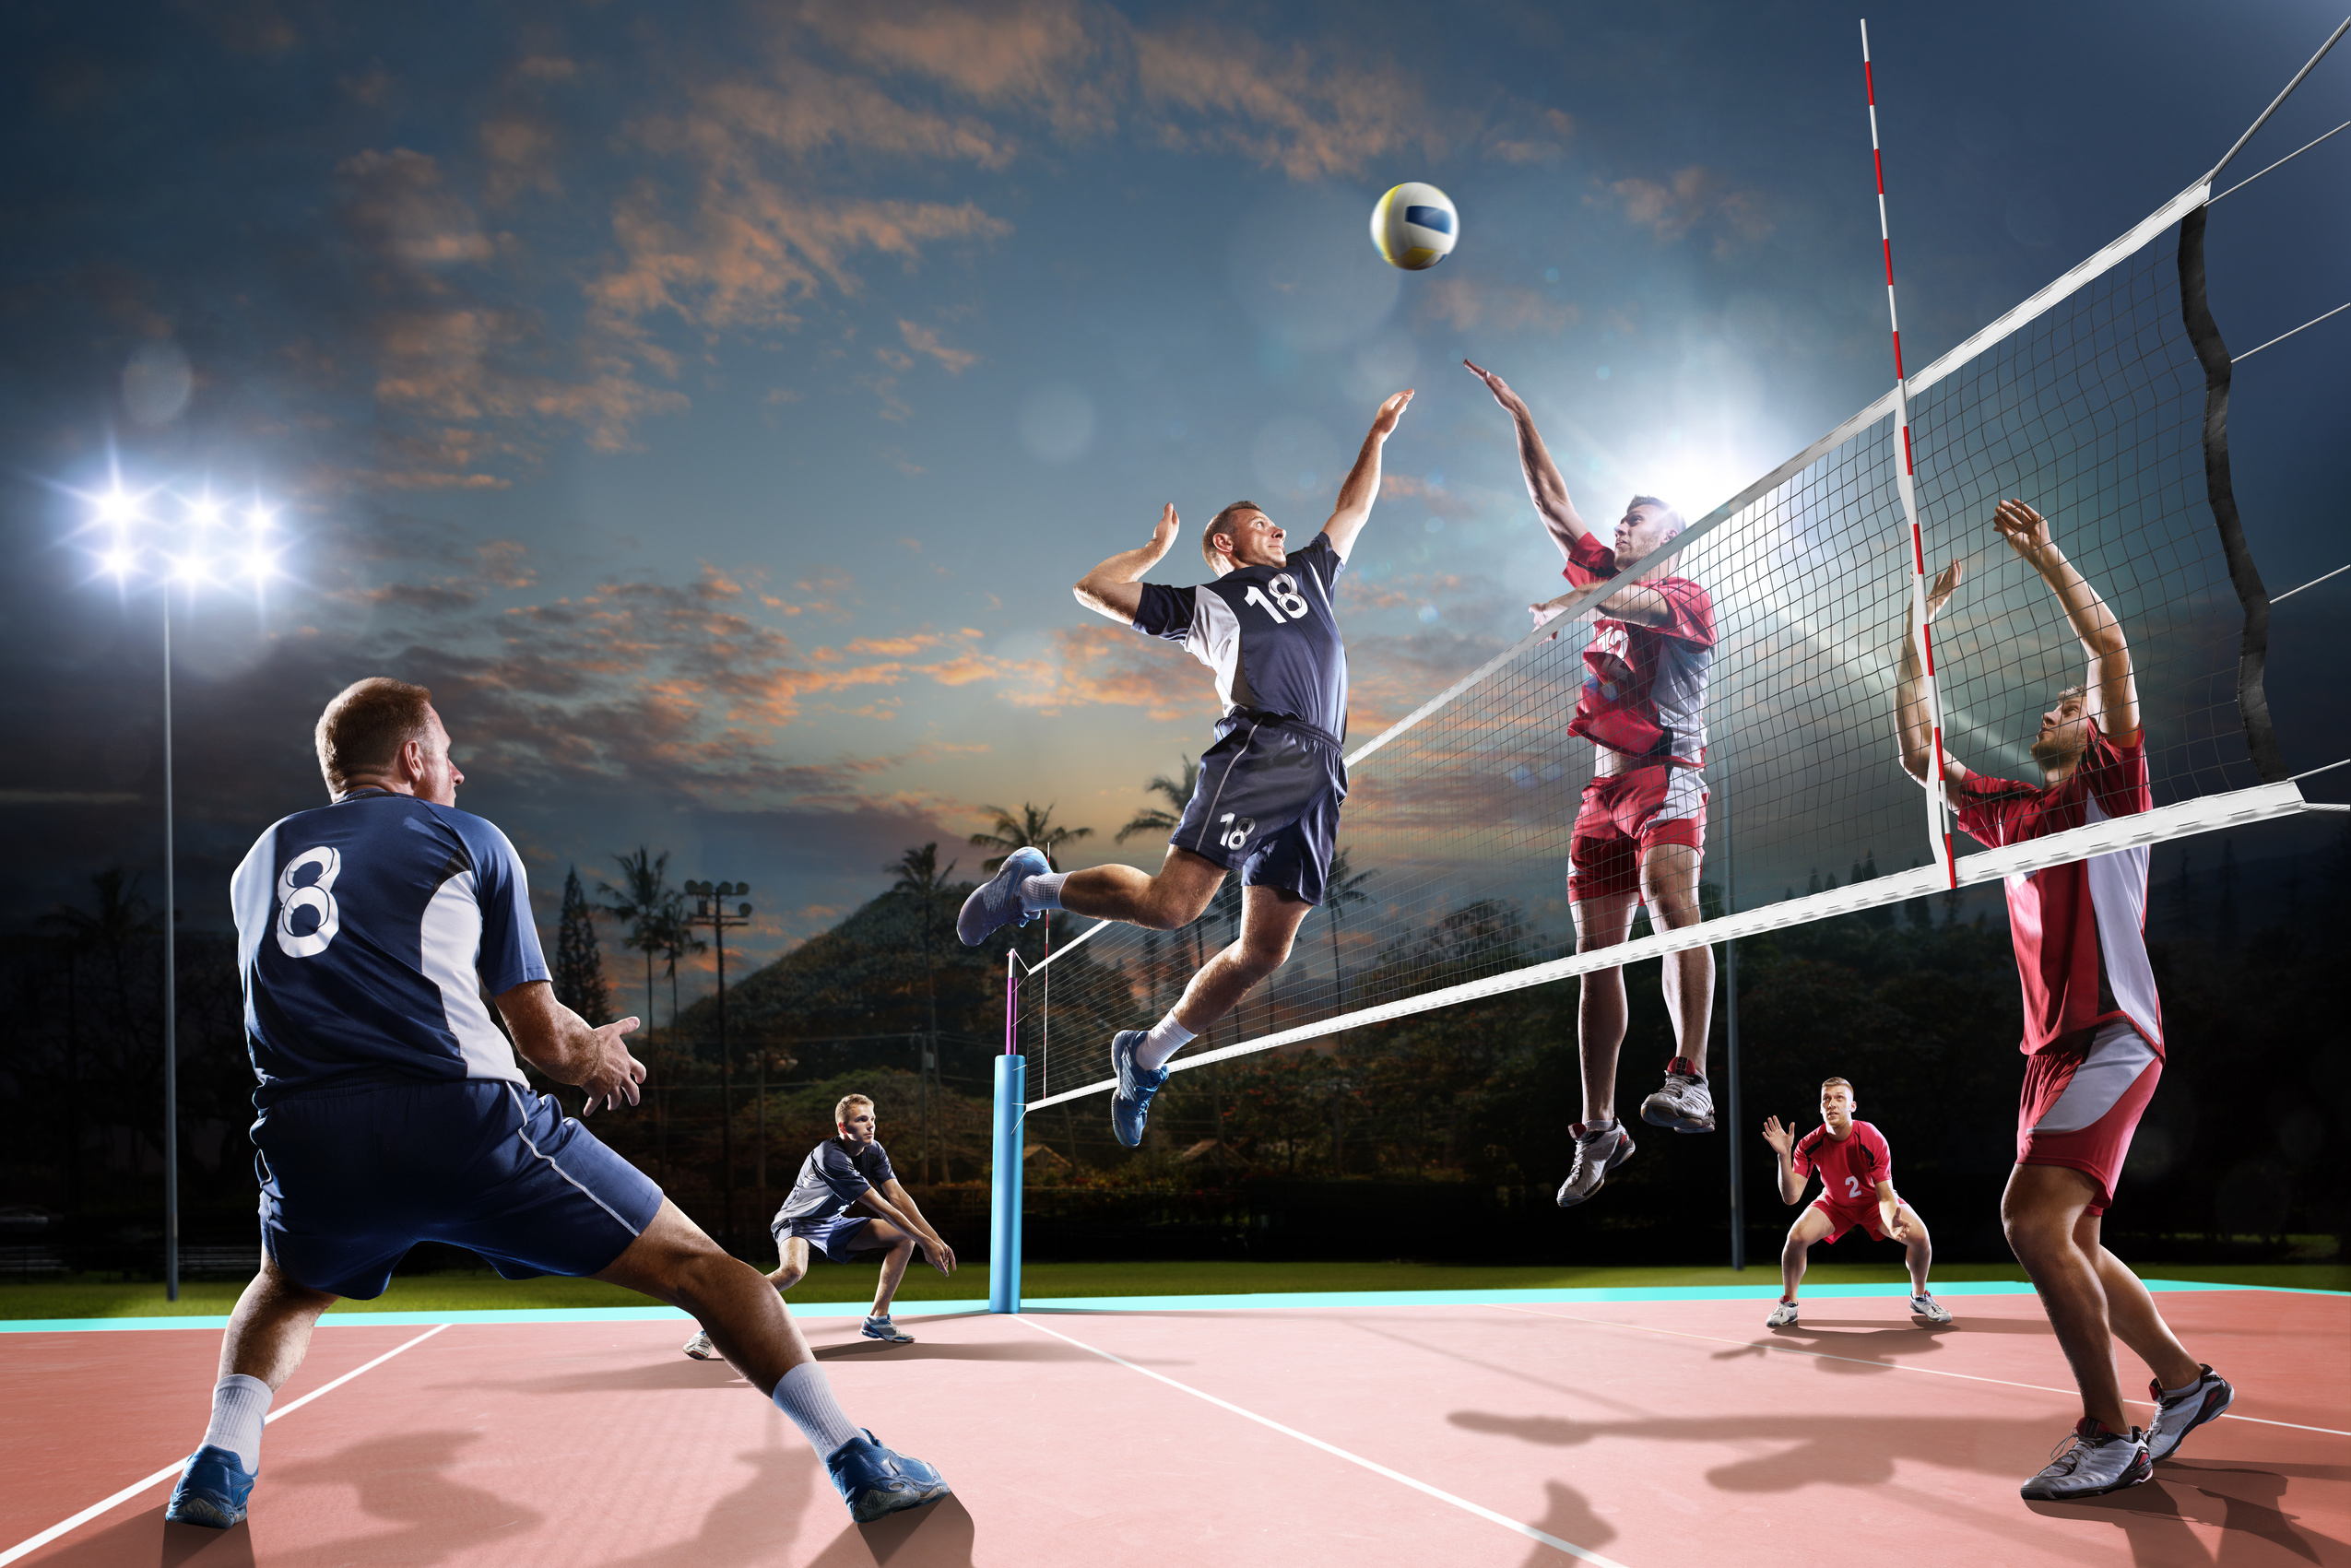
1130,1107
874,1482
212,1491
888,1332
996,902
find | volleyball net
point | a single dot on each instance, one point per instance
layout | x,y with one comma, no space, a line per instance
2099,401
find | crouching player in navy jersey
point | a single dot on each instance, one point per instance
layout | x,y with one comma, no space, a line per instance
2093,1040
1267,801
848,1169
1856,1168
392,1112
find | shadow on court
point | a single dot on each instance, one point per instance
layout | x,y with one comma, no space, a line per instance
2240,1501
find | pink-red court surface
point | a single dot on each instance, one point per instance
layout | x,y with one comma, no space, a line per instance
1649,1429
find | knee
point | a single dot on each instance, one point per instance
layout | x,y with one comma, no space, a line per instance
904,1246
1592,942
788,1275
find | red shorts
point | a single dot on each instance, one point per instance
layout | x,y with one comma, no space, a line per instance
2083,1101
1843,1217
1622,815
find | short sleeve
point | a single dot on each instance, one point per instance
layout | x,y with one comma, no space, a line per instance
1881,1157
1984,805
1589,562
1692,608
1166,612
1801,1158
840,1172
2116,776
510,954
1321,560
877,1164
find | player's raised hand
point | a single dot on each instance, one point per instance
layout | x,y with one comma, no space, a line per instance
1384,422
1164,532
1946,585
1781,1137
2026,530
613,1073
1511,402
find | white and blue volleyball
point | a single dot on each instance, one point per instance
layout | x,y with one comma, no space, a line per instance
1414,226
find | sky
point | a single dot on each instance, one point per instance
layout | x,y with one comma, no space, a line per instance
714,403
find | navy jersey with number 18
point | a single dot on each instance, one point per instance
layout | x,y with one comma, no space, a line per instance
1267,631
367,934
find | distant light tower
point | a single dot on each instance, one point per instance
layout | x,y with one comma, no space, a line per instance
711,910
129,560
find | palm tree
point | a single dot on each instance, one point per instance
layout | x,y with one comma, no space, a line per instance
1033,829
641,901
920,878
1342,887
1177,793
674,938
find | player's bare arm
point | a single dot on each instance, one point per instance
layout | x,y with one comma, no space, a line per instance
1890,1214
2028,533
1782,1138
1545,485
1114,588
912,1225
941,1256
1911,714
560,1043
1635,602
1355,497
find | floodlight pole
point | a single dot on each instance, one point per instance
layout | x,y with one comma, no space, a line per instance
709,911
170,995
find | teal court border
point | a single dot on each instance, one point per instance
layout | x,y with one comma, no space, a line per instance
1269,1301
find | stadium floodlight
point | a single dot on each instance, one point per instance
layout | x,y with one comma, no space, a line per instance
167,561
710,910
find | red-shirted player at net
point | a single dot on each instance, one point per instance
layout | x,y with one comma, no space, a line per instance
2093,1025
1856,1170
1640,830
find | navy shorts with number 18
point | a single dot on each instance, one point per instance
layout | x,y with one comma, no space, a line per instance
1267,803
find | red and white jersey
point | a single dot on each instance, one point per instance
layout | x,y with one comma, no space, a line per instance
1644,687
2080,928
1850,1167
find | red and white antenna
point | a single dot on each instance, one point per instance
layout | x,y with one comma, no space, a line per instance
1938,808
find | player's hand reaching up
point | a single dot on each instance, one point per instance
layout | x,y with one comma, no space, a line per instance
2026,530
1946,584
1511,402
1781,1137
1384,422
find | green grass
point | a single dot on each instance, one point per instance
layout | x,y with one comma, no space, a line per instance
486,1292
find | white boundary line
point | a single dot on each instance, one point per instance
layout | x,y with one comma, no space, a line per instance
1504,1520
1864,1361
94,1509
2164,822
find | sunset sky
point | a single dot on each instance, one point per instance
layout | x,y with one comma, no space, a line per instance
714,403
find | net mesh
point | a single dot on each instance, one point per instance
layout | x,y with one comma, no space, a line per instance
1454,845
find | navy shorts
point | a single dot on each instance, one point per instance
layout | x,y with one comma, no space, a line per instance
838,1238
1267,803
350,1182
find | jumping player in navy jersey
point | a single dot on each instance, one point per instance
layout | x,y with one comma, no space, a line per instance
1856,1169
392,1111
1640,829
2093,1040
1267,801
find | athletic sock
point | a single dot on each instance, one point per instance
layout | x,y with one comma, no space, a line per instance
1166,1038
1042,891
240,1403
1592,1127
806,1396
2188,1388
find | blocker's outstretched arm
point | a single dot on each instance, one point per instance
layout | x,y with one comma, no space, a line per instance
2028,533
1911,715
1355,497
1545,485
1114,588
1782,1138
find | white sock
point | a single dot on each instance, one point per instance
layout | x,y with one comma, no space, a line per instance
1166,1038
1600,1126
240,1403
1042,891
2188,1388
806,1396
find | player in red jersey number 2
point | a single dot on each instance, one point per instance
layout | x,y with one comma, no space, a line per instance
2093,1040
1856,1170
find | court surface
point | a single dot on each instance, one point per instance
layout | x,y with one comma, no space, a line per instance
1654,1428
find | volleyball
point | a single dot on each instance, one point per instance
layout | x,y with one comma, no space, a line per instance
1414,225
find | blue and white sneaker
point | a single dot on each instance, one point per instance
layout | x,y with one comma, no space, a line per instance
996,902
881,1328
874,1482
1130,1107
212,1491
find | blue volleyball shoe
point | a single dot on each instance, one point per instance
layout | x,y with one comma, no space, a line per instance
996,902
212,1491
875,1482
1130,1107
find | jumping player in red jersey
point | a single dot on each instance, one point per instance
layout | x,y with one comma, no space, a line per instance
1640,831
1856,1170
2093,1025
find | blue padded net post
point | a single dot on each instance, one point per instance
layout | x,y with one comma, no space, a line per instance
1004,1198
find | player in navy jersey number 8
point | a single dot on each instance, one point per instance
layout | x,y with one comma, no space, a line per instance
392,1111
1267,800
2093,1040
